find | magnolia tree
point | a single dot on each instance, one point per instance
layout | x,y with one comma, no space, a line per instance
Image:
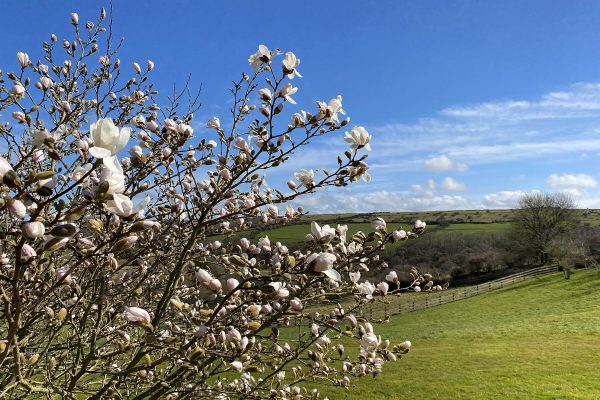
125,272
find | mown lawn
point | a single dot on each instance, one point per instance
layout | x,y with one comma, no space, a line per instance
539,339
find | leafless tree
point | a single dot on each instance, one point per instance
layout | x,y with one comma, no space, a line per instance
543,216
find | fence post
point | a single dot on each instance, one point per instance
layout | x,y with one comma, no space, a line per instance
385,311
413,305
452,296
440,298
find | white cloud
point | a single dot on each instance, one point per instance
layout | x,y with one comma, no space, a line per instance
348,202
452,185
568,181
504,199
443,163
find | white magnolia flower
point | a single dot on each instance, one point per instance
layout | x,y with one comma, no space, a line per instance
23,59
27,252
290,62
33,230
366,288
137,314
298,119
405,345
324,232
335,107
392,276
19,116
115,180
383,287
378,224
242,145
265,94
287,91
18,89
369,342
262,55
214,123
399,235
420,225
323,263
122,205
4,167
358,137
107,138
305,177
279,289
354,277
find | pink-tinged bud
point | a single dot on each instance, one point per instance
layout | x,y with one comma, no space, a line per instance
150,65
232,284
203,276
214,123
74,18
38,156
383,288
244,243
378,224
136,68
314,329
18,89
237,366
152,125
23,59
266,309
19,116
296,304
243,344
136,314
352,321
417,288
214,285
4,168
211,144
225,174
46,82
63,273
405,346
292,185
17,208
33,230
27,252
391,357
65,106
215,245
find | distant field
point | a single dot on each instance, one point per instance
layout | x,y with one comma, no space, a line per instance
534,340
465,221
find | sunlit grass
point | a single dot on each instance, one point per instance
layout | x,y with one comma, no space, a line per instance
539,339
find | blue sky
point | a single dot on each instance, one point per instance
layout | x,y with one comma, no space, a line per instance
470,103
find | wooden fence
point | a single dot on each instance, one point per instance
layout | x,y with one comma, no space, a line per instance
409,302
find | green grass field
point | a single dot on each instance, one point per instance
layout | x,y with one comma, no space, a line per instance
465,221
539,339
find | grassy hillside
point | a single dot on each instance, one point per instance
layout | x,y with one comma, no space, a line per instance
539,339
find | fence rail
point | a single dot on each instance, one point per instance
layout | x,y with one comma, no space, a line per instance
412,302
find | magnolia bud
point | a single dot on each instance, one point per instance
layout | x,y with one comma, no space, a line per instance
27,252
150,65
33,230
23,59
137,68
16,208
74,18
